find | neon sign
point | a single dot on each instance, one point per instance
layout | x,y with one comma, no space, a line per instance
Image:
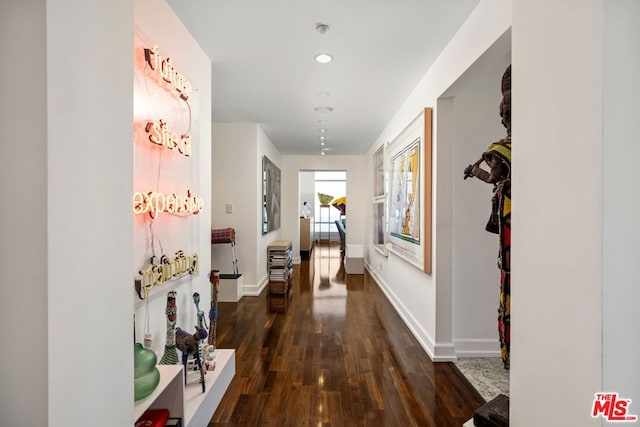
166,270
155,203
161,135
165,70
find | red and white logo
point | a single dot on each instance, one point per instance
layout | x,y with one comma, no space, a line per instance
612,408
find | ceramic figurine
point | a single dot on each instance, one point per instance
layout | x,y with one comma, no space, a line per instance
170,356
189,345
214,279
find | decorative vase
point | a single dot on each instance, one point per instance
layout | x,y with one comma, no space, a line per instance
324,199
146,375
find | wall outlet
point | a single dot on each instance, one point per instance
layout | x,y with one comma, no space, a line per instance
229,207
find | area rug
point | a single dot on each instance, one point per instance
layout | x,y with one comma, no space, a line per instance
486,374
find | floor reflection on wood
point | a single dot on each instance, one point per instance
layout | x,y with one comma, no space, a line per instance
340,356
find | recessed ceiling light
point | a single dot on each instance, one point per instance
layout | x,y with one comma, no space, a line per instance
323,58
322,153
321,121
323,130
323,109
323,143
323,138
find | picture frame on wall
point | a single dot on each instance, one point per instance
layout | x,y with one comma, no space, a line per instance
404,200
270,196
410,179
379,188
379,202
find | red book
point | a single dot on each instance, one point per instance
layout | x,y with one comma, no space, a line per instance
153,418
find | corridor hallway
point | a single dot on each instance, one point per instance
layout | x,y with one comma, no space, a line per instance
340,356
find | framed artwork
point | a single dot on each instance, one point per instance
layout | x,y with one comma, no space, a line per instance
270,196
378,173
404,203
379,202
379,225
410,175
427,170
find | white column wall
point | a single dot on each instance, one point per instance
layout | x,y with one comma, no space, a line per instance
23,221
234,179
557,212
237,178
621,293
89,230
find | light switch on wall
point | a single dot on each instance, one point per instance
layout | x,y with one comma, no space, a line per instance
229,207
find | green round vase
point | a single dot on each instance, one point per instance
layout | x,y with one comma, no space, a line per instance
146,375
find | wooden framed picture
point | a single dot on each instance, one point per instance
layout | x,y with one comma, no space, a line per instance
270,196
379,202
410,178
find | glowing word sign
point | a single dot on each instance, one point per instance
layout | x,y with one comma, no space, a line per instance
165,69
167,269
161,135
155,203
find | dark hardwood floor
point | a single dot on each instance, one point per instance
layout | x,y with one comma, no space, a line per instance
340,356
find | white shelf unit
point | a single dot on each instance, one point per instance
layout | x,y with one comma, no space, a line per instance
189,402
199,407
168,395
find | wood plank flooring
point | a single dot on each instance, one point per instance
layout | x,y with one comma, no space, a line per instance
340,356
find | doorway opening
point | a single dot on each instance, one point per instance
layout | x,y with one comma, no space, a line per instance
328,216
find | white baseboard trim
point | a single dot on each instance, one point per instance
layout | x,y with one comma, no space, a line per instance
445,352
296,259
471,347
252,290
438,352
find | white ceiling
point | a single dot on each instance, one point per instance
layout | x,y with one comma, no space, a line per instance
264,70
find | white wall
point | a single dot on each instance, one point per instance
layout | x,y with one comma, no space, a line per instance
23,222
88,241
412,292
307,190
357,203
266,148
621,348
475,277
237,178
159,25
89,244
557,212
234,181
